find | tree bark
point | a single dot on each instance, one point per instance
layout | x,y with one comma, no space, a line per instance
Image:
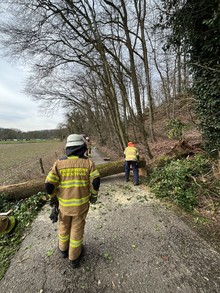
27,189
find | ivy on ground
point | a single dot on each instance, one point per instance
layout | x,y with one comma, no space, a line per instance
180,181
24,211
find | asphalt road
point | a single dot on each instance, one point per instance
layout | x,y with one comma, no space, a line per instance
133,243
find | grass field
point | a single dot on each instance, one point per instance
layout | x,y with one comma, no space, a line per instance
21,161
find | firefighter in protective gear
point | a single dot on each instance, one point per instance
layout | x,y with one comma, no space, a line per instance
89,147
7,223
75,181
131,160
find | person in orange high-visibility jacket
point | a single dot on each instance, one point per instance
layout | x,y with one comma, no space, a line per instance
131,160
75,182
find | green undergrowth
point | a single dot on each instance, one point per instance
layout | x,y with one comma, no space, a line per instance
24,211
184,181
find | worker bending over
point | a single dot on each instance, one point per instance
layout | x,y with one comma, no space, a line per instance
131,160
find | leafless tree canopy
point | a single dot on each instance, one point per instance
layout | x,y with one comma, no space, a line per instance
99,59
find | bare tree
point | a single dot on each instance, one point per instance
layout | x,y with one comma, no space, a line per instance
63,40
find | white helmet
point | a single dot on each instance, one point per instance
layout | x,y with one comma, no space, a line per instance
74,140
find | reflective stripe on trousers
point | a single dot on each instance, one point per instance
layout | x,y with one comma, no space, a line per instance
71,230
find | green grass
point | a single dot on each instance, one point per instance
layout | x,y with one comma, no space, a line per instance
20,161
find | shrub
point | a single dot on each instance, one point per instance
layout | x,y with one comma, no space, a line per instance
176,180
175,129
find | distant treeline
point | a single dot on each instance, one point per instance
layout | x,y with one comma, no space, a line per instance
16,134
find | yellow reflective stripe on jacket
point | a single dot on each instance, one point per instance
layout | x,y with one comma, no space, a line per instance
73,183
52,178
94,174
131,154
72,157
64,238
73,202
76,243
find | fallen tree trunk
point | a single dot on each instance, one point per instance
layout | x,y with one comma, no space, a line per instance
181,150
116,167
22,190
26,189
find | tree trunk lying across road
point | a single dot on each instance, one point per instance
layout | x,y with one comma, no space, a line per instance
26,189
180,150
116,167
23,190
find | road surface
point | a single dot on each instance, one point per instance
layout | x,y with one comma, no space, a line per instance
133,243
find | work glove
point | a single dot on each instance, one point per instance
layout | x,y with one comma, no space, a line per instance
54,202
54,215
93,198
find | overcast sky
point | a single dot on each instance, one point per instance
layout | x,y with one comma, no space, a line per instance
18,110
